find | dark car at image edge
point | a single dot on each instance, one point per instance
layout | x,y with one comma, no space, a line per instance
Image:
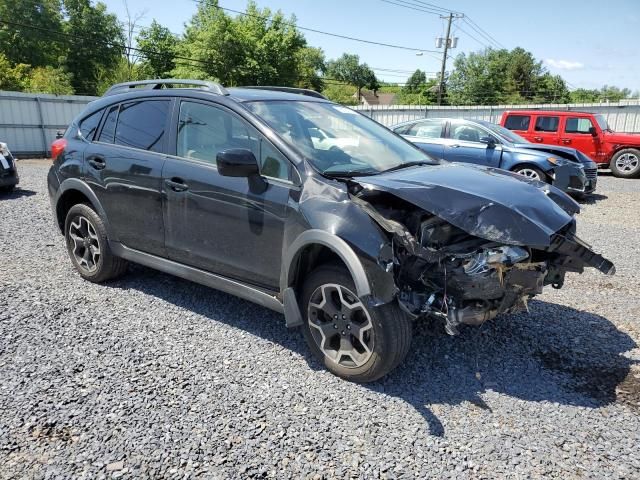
353,236
9,177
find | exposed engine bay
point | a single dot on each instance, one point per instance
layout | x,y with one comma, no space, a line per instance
442,271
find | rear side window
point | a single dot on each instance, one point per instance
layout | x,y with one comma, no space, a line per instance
89,125
577,125
109,126
142,125
425,129
517,122
547,124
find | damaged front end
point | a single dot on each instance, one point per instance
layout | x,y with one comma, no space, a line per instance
443,271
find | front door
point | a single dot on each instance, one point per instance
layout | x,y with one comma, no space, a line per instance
218,223
470,143
577,133
124,168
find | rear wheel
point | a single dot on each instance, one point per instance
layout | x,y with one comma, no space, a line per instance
88,246
626,163
531,172
353,340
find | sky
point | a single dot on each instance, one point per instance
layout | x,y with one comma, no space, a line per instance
589,42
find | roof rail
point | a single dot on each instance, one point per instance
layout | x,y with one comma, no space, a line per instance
299,91
165,83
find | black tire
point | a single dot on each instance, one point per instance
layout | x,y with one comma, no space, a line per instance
391,329
107,266
522,169
629,160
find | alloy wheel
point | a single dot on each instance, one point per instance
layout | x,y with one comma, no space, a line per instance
84,243
529,173
340,325
627,162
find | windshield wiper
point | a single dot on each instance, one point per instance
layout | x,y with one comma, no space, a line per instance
349,173
407,165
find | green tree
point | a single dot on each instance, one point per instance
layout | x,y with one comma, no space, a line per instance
416,82
311,66
158,47
49,80
32,33
348,69
95,43
551,89
14,77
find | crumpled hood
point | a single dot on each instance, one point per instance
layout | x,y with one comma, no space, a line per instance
548,150
489,203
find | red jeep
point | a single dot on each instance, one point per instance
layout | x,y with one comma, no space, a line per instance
583,131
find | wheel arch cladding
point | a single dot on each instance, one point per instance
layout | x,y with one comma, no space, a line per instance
323,242
73,191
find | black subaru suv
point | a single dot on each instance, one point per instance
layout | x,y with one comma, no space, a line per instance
308,208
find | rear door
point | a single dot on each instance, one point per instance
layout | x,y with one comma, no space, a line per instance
468,143
124,167
217,223
577,133
545,129
426,134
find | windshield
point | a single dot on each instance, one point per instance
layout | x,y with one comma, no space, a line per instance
602,123
504,133
336,139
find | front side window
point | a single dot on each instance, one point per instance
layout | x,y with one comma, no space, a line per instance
547,124
467,133
518,122
336,140
578,125
109,125
205,130
142,124
89,125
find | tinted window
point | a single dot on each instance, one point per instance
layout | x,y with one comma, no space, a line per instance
517,122
89,125
204,130
109,125
577,125
425,129
547,124
142,124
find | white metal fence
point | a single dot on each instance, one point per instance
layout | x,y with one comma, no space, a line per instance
622,116
29,122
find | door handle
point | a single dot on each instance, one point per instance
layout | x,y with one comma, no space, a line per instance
176,184
537,139
455,145
566,141
97,162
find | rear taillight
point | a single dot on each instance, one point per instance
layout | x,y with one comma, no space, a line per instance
58,147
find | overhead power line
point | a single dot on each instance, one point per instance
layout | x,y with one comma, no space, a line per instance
321,32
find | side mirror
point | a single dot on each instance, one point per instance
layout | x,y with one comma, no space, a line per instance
593,131
490,141
241,162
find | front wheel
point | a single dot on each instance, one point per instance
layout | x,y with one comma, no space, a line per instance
626,163
355,341
531,172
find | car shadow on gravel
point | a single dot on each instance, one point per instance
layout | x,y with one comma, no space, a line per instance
15,194
591,199
554,354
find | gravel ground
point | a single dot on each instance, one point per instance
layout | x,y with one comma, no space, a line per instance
153,376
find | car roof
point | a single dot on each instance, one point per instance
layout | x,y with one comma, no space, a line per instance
256,94
561,113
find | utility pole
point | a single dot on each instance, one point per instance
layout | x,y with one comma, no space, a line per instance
448,43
